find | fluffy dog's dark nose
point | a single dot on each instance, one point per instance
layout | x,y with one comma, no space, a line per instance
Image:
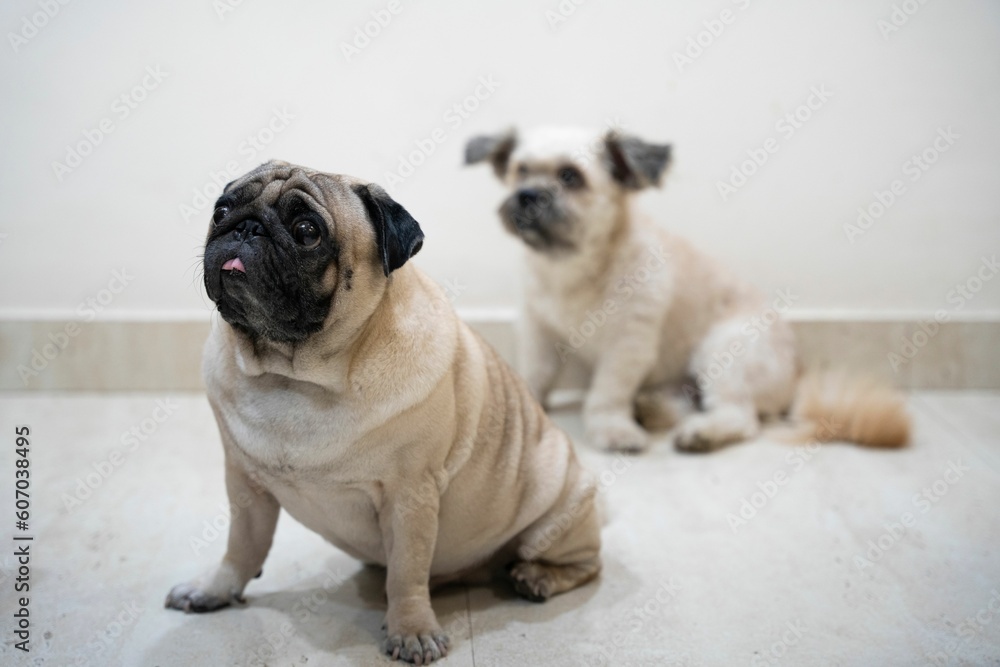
250,227
528,196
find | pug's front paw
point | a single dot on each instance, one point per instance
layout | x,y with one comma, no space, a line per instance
413,633
215,590
417,647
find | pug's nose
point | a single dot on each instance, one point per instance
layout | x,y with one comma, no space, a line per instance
528,196
250,227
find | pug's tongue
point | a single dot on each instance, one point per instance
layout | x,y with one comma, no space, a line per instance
235,264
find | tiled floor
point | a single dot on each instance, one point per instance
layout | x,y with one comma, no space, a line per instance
822,572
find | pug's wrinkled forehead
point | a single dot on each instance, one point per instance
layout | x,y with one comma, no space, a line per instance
279,185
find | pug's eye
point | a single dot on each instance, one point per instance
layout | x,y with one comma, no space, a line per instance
220,213
306,233
522,170
570,177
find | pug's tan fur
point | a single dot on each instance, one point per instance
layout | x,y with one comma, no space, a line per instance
397,434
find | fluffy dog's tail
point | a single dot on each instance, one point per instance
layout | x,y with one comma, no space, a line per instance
835,406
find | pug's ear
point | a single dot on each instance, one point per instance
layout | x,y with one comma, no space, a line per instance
633,162
397,234
493,147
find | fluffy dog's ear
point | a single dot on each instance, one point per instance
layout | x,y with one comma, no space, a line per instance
493,147
397,234
633,162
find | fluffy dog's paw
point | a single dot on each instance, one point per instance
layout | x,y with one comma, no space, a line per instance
698,435
189,598
419,648
694,442
531,581
706,432
619,435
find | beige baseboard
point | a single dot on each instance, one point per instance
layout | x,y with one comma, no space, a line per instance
166,355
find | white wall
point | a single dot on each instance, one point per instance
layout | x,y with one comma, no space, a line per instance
120,207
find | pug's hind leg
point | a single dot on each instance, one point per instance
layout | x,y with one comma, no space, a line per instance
537,581
560,552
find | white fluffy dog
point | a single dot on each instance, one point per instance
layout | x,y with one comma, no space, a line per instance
669,335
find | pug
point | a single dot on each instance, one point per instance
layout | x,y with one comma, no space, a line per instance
670,336
347,392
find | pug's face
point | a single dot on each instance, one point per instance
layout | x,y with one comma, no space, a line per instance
285,240
567,185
